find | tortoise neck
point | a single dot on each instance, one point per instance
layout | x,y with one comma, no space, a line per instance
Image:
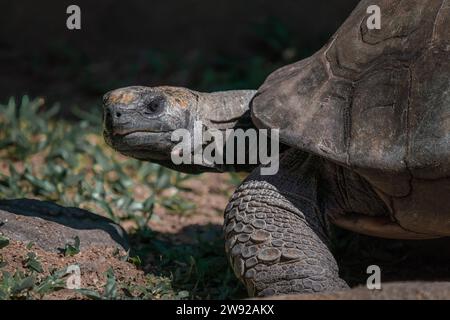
225,109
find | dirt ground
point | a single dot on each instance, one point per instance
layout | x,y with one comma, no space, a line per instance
210,194
93,263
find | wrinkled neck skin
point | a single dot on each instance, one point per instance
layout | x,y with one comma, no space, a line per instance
226,109
220,112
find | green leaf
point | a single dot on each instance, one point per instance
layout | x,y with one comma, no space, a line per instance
111,285
32,263
183,294
41,185
136,260
51,283
71,250
2,262
3,242
22,284
91,294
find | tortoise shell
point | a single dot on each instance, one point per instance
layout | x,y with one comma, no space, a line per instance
374,100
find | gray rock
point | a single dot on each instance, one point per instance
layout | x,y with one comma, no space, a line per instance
51,226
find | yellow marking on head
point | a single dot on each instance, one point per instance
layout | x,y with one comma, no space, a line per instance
122,97
182,103
180,96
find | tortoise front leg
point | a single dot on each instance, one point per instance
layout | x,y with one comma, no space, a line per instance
275,236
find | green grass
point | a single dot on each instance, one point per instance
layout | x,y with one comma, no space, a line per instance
25,285
69,163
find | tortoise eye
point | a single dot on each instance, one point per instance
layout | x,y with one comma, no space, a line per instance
155,106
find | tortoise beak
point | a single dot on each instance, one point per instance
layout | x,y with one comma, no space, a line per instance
117,119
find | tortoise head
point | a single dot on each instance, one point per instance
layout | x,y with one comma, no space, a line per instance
139,121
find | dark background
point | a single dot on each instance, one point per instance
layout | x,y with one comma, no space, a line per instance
203,44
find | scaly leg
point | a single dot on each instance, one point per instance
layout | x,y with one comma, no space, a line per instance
276,236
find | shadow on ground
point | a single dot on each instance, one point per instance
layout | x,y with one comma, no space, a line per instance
197,252
399,260
194,258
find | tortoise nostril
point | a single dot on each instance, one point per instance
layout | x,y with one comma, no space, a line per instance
118,114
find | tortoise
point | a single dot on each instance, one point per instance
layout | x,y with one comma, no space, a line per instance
364,128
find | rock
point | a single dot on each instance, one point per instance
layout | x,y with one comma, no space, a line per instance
51,226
